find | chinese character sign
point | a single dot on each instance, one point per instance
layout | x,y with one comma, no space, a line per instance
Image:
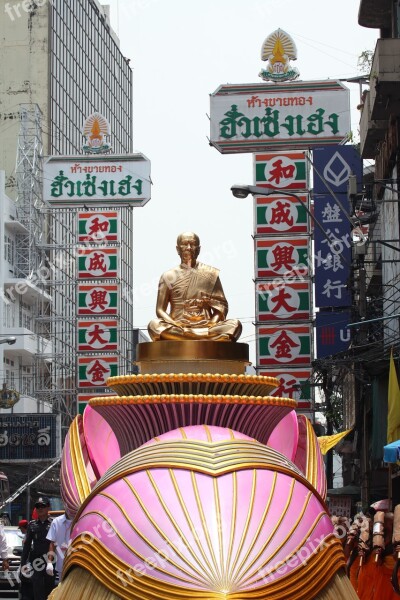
93,371
281,214
288,301
281,170
97,263
98,227
97,299
332,254
283,257
98,335
293,383
284,345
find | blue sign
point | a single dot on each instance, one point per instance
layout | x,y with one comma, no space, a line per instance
332,253
332,333
332,167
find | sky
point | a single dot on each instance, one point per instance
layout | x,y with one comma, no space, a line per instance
180,52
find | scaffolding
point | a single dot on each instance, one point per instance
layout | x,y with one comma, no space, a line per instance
46,255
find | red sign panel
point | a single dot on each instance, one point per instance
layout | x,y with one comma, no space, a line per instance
97,299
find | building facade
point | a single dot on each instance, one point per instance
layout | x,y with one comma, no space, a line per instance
61,61
376,282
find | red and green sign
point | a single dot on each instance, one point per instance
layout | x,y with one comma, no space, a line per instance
97,227
93,371
282,257
99,335
281,170
281,214
284,345
293,383
97,263
83,400
97,299
283,301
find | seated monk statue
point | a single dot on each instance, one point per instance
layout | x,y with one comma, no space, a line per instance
198,306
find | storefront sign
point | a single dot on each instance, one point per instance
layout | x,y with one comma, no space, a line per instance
284,345
282,257
283,301
93,371
99,335
82,180
28,437
97,299
97,263
257,117
97,227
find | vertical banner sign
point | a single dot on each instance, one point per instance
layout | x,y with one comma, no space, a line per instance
293,383
97,227
278,170
332,167
332,332
97,263
98,336
97,299
282,257
284,345
283,302
93,371
281,215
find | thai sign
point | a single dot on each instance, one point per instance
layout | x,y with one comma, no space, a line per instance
97,299
28,437
93,371
97,227
286,257
278,302
97,262
284,345
256,117
81,180
98,335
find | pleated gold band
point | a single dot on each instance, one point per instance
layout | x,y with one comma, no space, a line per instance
302,583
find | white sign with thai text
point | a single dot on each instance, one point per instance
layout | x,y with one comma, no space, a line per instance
295,115
83,180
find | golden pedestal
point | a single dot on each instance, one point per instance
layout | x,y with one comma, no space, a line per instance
192,357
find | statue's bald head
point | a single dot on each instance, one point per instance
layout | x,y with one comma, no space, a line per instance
186,234
188,247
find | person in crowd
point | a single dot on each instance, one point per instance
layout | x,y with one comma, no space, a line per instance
35,551
23,527
3,549
58,536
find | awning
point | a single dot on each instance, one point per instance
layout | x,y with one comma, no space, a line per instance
391,452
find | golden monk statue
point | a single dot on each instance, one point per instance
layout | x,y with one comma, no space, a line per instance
198,306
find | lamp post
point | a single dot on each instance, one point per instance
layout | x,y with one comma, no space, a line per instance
242,191
8,340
